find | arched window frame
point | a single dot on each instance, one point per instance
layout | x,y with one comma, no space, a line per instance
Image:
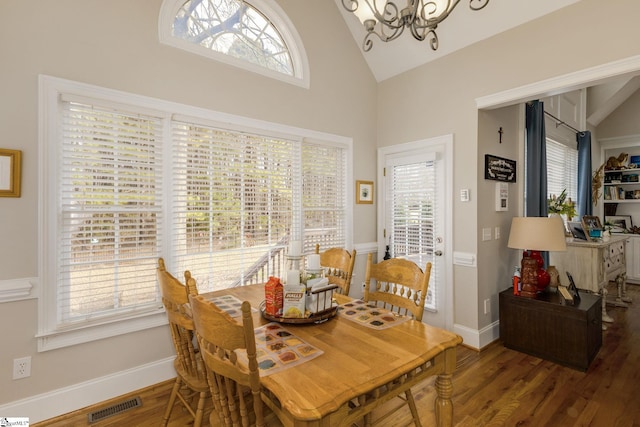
269,9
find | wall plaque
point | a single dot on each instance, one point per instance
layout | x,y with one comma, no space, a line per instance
499,169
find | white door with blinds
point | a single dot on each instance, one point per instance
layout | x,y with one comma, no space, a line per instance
413,216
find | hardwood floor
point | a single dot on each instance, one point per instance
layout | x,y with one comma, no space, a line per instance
494,387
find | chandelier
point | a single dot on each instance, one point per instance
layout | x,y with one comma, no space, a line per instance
421,17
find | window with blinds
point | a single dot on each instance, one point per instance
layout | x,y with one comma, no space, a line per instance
128,179
412,216
324,198
562,169
110,197
232,204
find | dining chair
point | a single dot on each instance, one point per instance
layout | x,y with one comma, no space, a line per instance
400,286
191,379
338,264
229,352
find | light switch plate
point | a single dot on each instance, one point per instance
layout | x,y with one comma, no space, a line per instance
486,234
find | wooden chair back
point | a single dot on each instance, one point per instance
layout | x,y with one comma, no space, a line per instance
234,381
188,363
338,264
400,285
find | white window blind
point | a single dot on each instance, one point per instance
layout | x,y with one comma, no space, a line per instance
324,196
562,169
128,179
233,200
109,211
412,216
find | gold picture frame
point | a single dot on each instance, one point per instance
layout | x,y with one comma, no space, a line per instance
364,192
10,172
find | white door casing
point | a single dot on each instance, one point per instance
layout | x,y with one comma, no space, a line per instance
433,240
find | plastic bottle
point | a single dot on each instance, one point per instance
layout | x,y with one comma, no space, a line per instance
516,281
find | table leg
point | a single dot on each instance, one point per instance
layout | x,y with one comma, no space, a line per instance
605,316
623,295
443,403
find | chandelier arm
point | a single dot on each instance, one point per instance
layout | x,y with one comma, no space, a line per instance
422,33
352,7
425,22
433,41
367,43
481,4
394,20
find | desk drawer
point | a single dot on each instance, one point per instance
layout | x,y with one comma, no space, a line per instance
616,249
613,262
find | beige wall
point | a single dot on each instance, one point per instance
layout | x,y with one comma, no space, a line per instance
114,44
440,99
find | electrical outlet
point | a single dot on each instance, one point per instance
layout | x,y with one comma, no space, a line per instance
487,306
22,367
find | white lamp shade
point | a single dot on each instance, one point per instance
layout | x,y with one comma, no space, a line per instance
537,234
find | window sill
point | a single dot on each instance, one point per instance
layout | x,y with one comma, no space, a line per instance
59,339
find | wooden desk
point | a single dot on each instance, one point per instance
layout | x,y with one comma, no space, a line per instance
357,361
593,265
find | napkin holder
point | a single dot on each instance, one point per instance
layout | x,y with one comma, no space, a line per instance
319,295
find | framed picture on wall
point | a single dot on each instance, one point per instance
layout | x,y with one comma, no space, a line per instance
10,164
364,192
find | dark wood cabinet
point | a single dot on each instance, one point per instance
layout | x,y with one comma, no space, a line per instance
545,328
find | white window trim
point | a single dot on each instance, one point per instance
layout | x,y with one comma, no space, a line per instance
50,90
278,18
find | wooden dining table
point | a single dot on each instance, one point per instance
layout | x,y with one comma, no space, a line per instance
360,369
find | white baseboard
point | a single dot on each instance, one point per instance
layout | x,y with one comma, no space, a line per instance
68,399
478,339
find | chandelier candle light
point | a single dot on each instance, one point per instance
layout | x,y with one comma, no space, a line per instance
534,234
421,17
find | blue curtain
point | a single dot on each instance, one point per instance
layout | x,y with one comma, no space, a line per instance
585,206
536,146
536,182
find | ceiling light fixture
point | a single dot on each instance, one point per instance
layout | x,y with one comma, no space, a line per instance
420,16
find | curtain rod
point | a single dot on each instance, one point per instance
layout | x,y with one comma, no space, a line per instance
560,122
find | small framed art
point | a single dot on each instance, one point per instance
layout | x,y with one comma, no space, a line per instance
10,165
364,192
576,230
592,227
618,223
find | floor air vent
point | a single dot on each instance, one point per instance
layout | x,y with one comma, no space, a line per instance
118,408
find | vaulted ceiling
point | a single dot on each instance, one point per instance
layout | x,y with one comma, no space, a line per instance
465,27
461,29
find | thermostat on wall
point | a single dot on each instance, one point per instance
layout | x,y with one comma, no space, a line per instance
502,196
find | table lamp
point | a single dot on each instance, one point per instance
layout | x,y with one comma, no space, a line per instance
535,234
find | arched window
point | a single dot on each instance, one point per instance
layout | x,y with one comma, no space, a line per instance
254,35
